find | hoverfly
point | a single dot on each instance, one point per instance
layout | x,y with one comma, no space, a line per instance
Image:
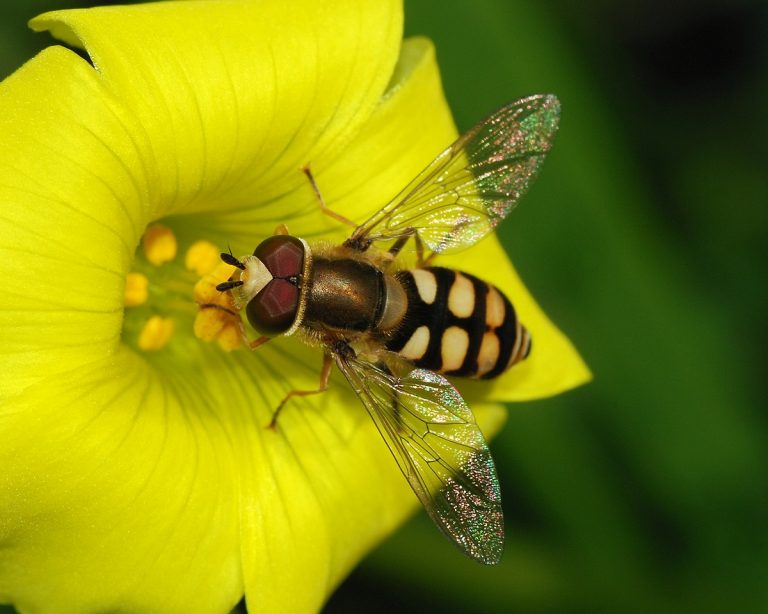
395,334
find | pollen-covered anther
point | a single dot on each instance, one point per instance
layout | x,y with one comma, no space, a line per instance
217,318
202,257
205,289
231,336
136,289
156,334
209,322
160,244
215,324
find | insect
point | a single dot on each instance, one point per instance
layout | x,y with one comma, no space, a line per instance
396,333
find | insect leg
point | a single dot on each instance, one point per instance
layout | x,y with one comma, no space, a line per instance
400,243
257,342
402,240
395,396
325,375
323,207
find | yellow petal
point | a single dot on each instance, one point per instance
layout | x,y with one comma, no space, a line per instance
71,188
411,125
234,97
118,492
217,115
319,490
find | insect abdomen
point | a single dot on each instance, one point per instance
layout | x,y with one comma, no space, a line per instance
458,325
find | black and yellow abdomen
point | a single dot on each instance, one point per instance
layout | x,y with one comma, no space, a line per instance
458,325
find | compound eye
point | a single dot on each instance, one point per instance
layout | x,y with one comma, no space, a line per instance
273,310
283,255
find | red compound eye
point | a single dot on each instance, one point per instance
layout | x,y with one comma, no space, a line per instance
283,255
273,310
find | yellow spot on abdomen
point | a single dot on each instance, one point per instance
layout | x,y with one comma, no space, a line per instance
417,345
461,298
495,309
489,353
426,284
453,348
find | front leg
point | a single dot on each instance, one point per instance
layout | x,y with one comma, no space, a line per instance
321,201
325,374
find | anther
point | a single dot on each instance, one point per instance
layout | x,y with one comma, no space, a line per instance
159,244
156,334
202,257
136,289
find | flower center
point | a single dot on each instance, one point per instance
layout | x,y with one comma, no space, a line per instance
164,295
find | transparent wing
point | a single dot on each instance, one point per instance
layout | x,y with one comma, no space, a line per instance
433,436
471,186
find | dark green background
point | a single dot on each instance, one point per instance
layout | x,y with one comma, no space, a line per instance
646,240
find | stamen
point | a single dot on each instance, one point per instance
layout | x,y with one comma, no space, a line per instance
209,323
205,289
231,337
159,244
202,257
218,319
136,289
156,334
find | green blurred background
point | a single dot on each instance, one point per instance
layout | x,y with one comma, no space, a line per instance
646,240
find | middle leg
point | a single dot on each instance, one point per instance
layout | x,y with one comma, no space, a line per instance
325,375
398,245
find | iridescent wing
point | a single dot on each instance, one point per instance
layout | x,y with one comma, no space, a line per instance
435,440
471,186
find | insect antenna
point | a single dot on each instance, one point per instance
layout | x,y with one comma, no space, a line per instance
230,259
228,285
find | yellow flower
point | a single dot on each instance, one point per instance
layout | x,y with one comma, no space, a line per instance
138,475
